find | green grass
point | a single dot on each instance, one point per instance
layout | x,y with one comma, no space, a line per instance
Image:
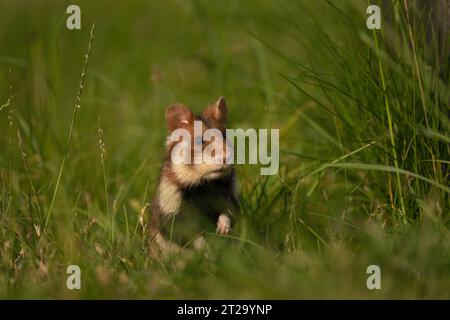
364,147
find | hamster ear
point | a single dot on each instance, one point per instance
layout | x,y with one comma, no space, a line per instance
221,110
178,116
217,111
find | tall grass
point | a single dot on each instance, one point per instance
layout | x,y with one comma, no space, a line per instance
364,138
380,105
72,125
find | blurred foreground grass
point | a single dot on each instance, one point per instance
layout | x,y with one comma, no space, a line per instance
364,137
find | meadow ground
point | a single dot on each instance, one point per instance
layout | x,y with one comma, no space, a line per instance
364,147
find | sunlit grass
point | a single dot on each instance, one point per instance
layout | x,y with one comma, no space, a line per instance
364,139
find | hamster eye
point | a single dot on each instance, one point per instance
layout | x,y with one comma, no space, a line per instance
199,140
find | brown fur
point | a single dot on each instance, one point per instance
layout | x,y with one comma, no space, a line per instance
213,192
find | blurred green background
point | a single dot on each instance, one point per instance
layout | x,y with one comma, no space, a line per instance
364,146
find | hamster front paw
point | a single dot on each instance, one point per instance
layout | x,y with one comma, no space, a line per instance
223,224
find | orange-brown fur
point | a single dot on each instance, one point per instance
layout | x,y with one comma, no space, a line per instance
211,187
